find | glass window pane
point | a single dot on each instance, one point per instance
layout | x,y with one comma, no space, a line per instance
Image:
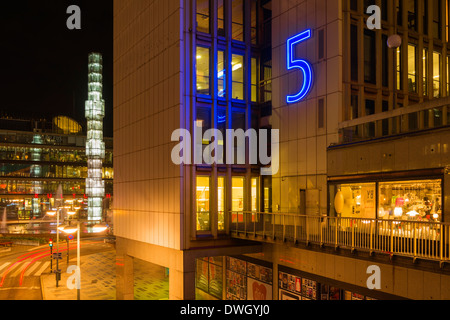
436,74
412,14
203,16
255,196
354,200
425,72
412,68
237,64
370,65
254,80
411,200
221,74
238,20
221,204
399,68
220,18
254,22
203,71
237,198
202,200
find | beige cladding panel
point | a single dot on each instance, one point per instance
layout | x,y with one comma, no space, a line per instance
147,77
302,143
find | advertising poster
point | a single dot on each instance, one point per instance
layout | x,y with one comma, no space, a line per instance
257,290
285,295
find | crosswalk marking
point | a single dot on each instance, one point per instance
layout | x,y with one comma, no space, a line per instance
13,267
3,266
18,269
45,266
32,268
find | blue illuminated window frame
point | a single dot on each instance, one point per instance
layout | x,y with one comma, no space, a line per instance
301,64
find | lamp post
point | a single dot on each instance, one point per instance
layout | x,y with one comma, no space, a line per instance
71,230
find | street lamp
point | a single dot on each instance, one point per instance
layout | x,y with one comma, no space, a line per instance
71,230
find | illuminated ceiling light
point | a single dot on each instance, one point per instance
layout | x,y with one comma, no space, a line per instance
71,213
237,66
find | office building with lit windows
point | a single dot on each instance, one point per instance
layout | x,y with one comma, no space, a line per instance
36,156
364,161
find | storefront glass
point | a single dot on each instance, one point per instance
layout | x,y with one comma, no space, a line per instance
419,200
414,200
354,200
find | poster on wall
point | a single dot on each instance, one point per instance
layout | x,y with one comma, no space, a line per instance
259,272
215,280
285,295
236,286
202,275
257,290
309,289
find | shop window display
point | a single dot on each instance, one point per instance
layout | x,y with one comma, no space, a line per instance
411,200
355,200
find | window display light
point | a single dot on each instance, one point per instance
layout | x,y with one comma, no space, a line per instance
95,147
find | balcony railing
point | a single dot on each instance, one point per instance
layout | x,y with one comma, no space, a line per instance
424,240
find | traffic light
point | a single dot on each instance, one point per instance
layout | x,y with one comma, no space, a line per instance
50,243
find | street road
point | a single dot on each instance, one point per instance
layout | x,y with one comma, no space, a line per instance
20,272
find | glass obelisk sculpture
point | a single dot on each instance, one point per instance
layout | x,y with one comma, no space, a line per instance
95,147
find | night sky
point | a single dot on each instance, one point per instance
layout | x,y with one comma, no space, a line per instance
44,64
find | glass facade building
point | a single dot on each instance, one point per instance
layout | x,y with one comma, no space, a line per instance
363,159
34,162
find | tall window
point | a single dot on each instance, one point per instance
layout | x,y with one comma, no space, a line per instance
221,74
399,68
448,75
203,16
398,8
202,201
437,23
237,17
436,74
203,71
237,65
412,67
369,57
425,72
385,61
254,80
354,52
220,18
255,196
254,22
221,203
237,198
425,17
412,14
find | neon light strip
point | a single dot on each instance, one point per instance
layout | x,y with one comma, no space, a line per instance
301,64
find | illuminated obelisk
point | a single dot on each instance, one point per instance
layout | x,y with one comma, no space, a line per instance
95,147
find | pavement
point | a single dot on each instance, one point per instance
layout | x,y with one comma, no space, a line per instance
98,280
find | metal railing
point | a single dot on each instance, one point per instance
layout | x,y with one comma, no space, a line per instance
425,240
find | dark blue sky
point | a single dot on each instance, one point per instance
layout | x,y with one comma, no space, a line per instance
44,64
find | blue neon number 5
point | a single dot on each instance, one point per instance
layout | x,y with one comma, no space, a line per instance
301,64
